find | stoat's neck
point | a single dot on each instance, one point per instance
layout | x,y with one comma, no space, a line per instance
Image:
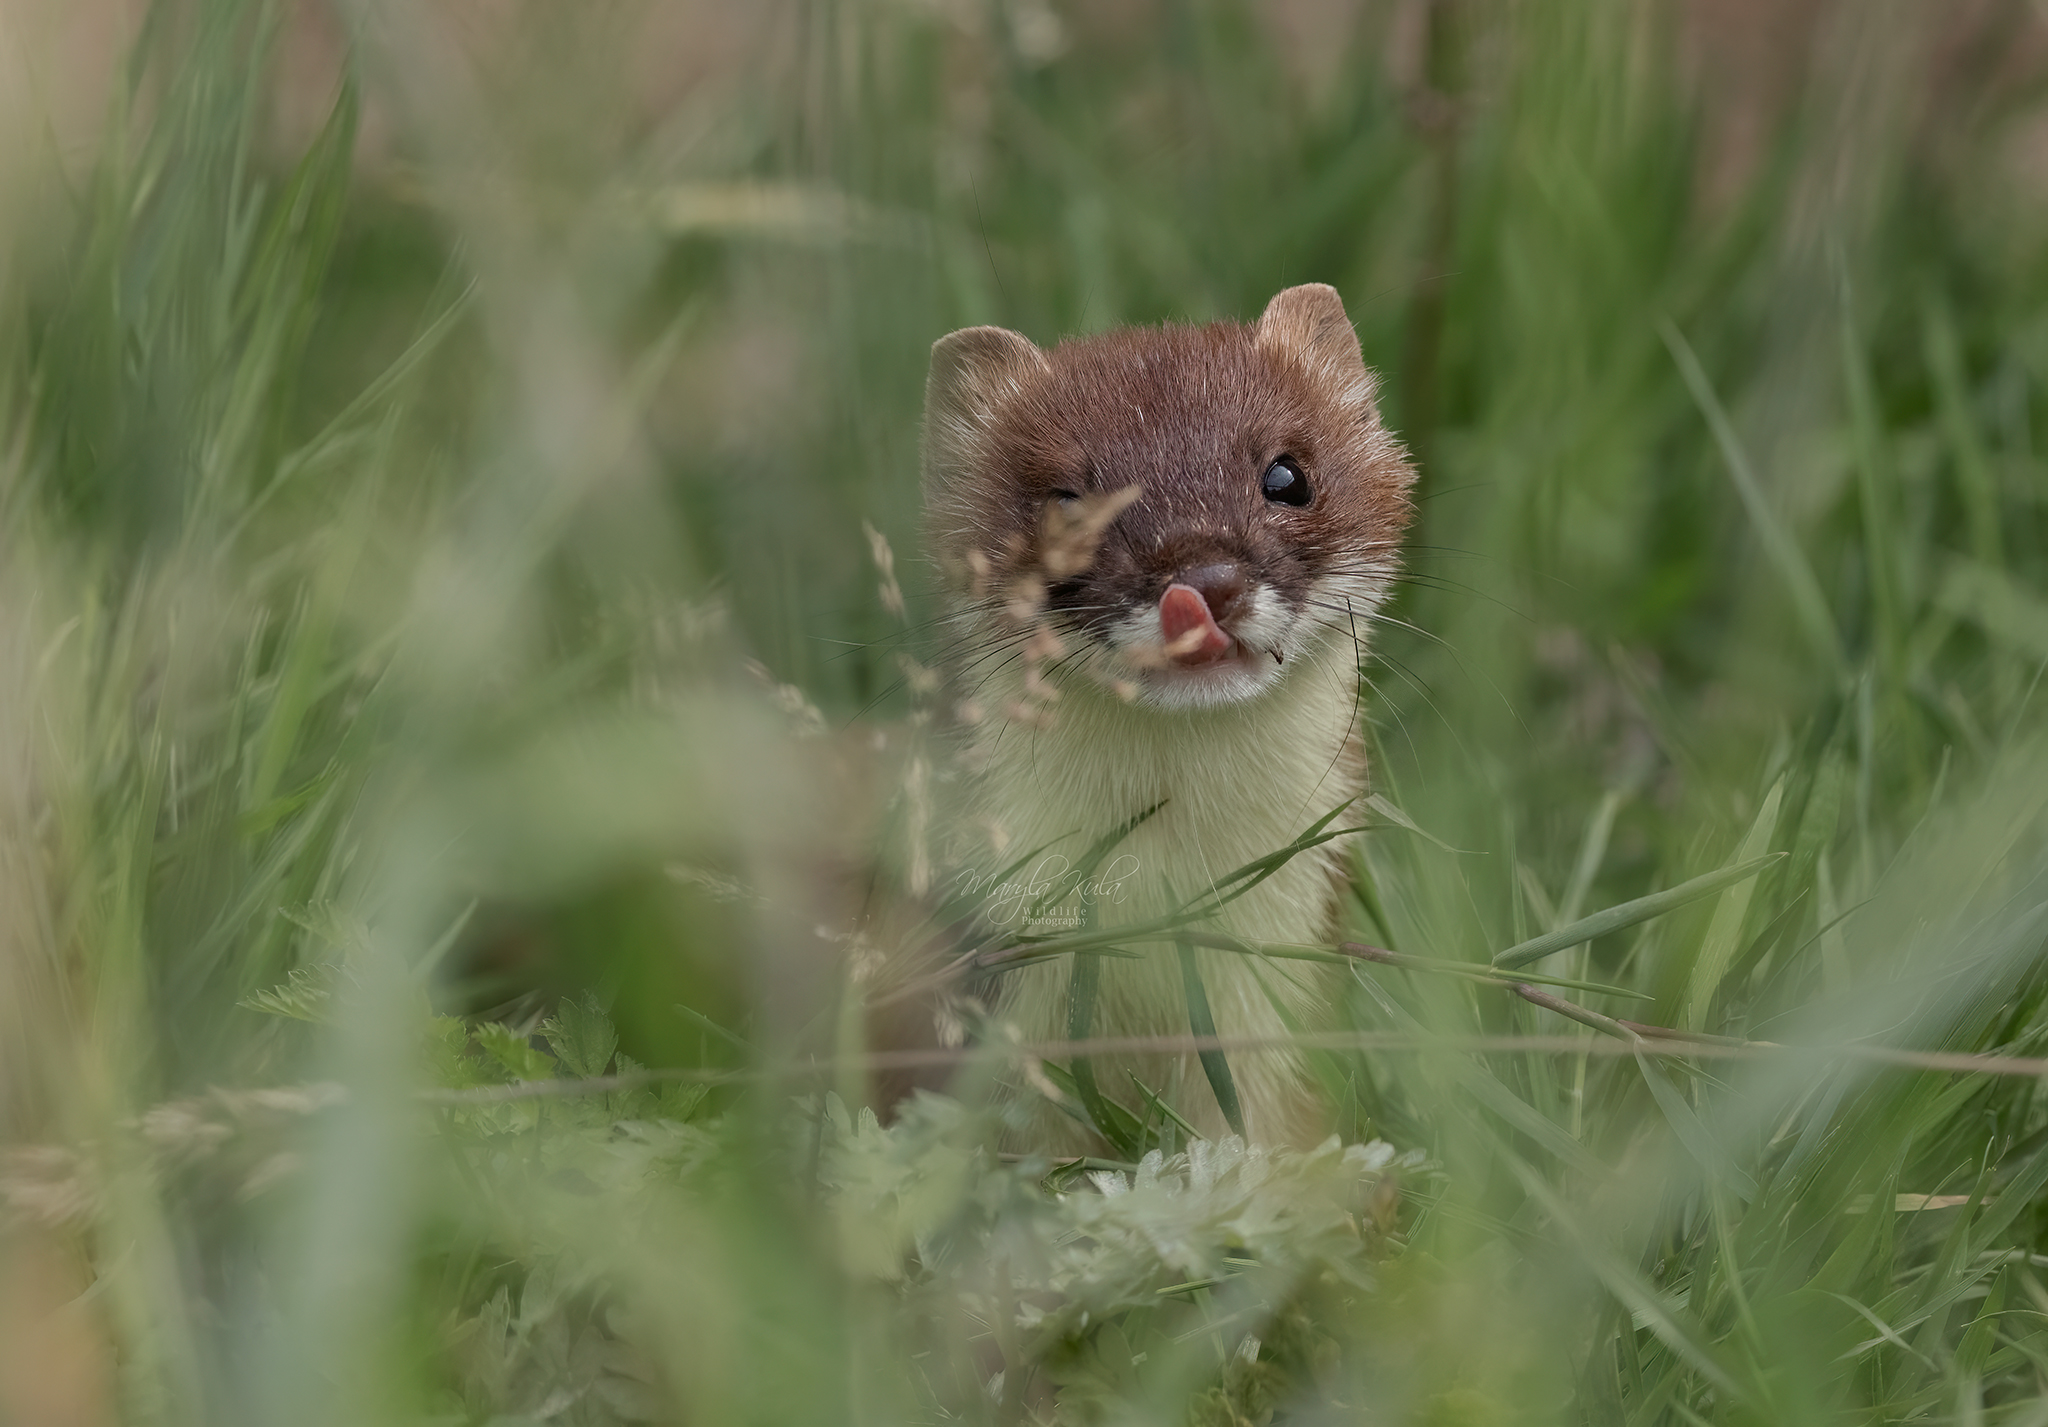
1236,782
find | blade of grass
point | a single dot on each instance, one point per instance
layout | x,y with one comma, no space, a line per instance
1199,908
1386,809
1592,852
1698,1140
1202,1022
1976,486
704,1023
1161,1108
1083,981
1724,932
1809,605
1473,1077
1063,1081
1673,1326
1876,497
1323,1064
1628,914
1253,873
2012,615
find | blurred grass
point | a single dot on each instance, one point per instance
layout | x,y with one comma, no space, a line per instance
388,516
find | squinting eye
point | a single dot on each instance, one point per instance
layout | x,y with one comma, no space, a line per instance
1284,482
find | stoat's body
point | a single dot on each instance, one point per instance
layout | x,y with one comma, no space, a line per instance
1163,548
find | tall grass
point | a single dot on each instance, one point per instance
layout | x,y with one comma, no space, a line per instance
443,664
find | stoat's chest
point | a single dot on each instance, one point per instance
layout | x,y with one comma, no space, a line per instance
1231,784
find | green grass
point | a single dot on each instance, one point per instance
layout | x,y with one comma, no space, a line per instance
383,546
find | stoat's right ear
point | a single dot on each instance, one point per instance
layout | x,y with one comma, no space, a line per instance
1307,323
973,371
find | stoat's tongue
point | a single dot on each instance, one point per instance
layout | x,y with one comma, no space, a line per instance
1191,633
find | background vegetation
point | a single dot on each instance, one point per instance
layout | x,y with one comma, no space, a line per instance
442,659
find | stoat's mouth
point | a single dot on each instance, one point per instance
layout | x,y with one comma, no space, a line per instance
1178,654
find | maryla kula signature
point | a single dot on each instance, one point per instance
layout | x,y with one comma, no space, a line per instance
1007,899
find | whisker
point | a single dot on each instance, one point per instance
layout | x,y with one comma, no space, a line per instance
1422,689
1430,580
1379,618
1350,723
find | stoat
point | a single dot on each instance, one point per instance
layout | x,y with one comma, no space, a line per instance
1161,550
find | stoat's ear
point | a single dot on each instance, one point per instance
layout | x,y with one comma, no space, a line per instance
973,371
1308,324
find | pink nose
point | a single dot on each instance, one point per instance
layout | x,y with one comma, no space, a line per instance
1189,628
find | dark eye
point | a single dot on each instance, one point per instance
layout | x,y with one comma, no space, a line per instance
1284,482
1065,495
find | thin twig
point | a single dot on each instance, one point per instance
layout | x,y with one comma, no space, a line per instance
1700,1037
1959,1062
1573,1011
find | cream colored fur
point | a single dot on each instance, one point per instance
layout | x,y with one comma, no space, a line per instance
1241,780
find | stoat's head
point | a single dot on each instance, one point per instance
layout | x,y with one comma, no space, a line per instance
1186,508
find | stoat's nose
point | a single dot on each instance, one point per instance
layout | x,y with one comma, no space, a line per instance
1222,586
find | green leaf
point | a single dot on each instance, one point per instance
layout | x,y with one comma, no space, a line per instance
514,1052
448,1057
582,1036
303,996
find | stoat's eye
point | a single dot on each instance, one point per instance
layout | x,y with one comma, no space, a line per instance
1284,482
1065,497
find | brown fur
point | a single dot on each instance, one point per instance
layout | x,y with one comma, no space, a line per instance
1192,415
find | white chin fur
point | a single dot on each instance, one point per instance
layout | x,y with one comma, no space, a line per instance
1242,676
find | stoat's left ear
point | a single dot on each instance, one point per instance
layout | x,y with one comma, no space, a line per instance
1308,324
974,371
